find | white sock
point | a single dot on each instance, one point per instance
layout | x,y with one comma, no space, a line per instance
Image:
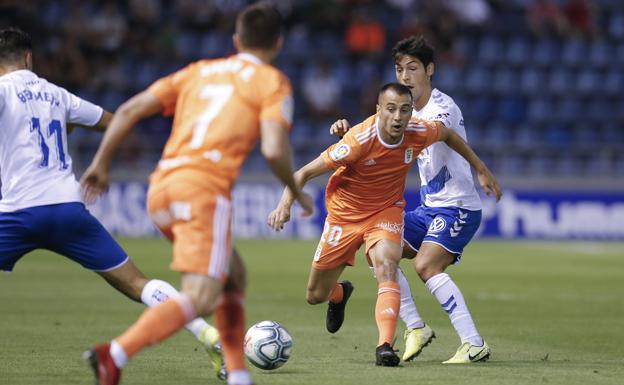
408,312
157,291
239,377
452,301
119,356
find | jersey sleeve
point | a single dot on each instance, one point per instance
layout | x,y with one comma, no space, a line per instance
443,115
348,150
428,131
168,88
83,112
277,104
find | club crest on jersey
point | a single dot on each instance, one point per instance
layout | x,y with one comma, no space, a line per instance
437,225
340,152
409,155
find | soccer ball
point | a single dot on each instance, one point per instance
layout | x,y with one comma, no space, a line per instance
268,345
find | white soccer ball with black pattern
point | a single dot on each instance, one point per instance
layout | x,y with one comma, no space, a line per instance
268,345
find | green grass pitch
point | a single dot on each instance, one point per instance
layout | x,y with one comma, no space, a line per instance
552,313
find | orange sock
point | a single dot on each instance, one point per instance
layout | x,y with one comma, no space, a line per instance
387,310
336,294
230,320
156,324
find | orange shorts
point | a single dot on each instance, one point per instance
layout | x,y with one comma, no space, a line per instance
341,240
197,221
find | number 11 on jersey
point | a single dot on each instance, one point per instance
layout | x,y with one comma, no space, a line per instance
54,128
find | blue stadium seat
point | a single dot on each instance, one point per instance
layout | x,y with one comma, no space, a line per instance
186,45
480,109
505,81
616,25
477,79
512,109
518,50
600,164
560,81
588,81
512,164
214,44
612,133
447,78
598,109
567,164
497,134
526,136
599,53
545,52
574,52
540,164
558,135
568,108
490,48
540,110
531,80
614,80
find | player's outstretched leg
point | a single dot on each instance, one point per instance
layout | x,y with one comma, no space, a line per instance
106,373
336,307
473,348
156,291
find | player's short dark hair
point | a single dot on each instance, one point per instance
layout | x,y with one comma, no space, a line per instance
399,89
259,26
415,46
14,43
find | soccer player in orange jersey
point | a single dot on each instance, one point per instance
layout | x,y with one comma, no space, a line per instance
221,108
365,204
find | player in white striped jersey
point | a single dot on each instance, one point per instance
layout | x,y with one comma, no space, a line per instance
450,211
41,204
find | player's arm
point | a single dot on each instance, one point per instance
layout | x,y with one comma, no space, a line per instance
276,149
100,126
457,143
140,106
281,214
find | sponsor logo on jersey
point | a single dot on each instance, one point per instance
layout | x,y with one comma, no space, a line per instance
340,152
394,228
370,162
409,155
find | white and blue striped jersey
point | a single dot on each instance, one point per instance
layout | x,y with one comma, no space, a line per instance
35,167
445,176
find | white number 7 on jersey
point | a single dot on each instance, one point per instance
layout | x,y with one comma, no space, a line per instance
217,95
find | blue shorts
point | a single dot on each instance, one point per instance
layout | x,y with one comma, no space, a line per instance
450,227
67,229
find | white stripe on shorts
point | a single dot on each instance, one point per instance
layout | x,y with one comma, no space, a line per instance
220,253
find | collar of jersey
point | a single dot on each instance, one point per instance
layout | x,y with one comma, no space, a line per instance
249,57
387,145
22,72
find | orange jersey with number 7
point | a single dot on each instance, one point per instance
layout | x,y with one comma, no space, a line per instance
370,174
218,106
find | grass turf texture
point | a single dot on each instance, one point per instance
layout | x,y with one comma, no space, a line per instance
551,312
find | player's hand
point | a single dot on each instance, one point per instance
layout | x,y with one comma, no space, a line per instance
278,217
339,128
94,182
307,204
488,183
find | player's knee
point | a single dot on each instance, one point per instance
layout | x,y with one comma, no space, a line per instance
425,269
